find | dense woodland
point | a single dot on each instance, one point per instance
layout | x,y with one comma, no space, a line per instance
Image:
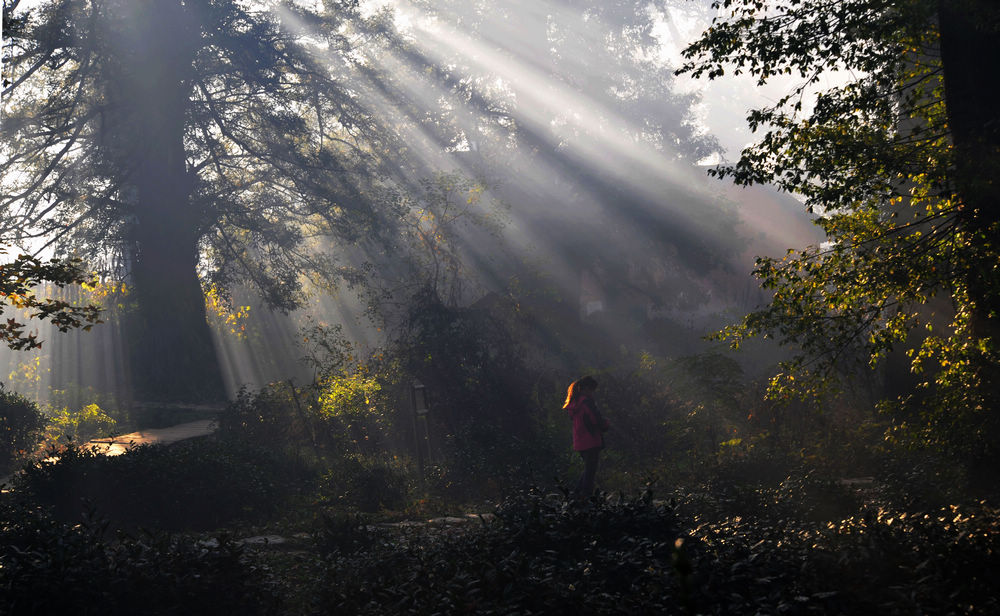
374,243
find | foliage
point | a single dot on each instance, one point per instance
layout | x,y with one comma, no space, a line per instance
72,395
21,425
232,49
689,402
18,281
910,257
198,484
365,484
483,461
674,416
465,357
539,555
453,219
327,349
772,554
224,316
337,533
333,418
273,418
482,429
97,572
352,473
803,546
354,409
77,426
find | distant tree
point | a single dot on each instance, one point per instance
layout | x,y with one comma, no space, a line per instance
168,139
902,164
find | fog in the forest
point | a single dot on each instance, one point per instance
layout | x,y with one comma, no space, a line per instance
545,147
499,307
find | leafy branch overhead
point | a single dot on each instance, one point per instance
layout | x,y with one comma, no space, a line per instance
898,164
18,282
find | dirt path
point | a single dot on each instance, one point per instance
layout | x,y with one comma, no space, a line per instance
117,445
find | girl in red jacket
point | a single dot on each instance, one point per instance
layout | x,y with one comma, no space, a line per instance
588,430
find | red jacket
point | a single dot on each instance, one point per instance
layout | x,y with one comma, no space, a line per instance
588,425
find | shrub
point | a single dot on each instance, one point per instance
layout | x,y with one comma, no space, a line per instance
198,484
21,424
341,532
78,426
273,417
365,484
483,461
756,554
354,411
539,555
52,568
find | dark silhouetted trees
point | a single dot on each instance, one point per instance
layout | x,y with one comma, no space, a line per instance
168,138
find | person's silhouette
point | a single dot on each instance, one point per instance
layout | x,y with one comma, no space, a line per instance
588,430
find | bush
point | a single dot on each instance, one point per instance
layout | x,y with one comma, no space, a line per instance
78,426
21,425
272,417
365,484
767,557
482,462
354,411
539,555
52,568
197,484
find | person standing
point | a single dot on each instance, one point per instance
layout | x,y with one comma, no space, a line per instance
588,430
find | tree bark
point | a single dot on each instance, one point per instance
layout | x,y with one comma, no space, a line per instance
970,57
173,356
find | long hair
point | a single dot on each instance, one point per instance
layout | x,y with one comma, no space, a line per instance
578,388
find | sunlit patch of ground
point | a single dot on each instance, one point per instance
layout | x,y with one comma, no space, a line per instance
117,445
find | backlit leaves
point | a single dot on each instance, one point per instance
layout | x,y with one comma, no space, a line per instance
18,280
873,159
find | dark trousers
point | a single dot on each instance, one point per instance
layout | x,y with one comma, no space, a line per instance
585,486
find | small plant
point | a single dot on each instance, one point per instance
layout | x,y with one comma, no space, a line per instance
341,533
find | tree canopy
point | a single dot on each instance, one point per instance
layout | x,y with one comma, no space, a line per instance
900,164
161,139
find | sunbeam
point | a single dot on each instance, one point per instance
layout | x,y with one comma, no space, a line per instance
582,154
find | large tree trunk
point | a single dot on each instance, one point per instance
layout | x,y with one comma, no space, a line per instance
970,53
173,356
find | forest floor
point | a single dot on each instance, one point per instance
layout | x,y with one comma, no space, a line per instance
230,516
